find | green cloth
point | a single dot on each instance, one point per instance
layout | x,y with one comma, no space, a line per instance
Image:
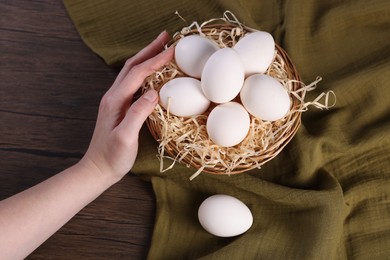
327,194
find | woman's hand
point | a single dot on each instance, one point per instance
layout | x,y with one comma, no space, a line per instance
114,144
28,218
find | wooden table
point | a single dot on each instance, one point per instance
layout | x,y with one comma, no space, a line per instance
50,89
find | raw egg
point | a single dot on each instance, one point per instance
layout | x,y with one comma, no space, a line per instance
228,124
265,97
257,51
223,76
192,52
224,216
184,96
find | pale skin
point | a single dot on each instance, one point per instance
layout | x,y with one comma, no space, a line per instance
29,218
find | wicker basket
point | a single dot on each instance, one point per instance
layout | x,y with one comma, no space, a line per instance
213,159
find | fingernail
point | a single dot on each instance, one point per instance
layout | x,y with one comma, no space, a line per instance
150,95
161,35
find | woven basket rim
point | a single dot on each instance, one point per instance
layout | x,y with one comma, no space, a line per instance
274,149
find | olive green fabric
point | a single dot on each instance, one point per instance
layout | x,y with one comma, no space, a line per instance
327,194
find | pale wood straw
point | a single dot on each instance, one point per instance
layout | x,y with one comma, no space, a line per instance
193,148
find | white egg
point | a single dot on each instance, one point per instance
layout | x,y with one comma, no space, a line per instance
185,97
228,124
257,51
192,53
223,76
224,216
265,97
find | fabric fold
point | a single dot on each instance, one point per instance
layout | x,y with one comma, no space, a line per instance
288,223
326,195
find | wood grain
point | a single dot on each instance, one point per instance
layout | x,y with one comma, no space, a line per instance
50,88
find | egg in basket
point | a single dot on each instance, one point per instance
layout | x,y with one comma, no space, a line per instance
230,101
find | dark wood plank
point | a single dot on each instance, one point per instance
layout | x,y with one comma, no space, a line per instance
50,89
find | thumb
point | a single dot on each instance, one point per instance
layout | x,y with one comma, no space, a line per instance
139,111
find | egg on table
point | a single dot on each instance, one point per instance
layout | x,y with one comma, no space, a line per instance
265,97
222,76
228,124
192,53
257,50
224,216
184,96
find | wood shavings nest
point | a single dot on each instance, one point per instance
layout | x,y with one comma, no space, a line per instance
185,140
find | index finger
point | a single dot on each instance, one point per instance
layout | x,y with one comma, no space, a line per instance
139,72
154,48
134,79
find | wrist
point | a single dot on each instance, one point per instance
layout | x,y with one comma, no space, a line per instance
88,166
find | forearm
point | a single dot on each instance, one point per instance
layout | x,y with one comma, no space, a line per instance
30,217
27,219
